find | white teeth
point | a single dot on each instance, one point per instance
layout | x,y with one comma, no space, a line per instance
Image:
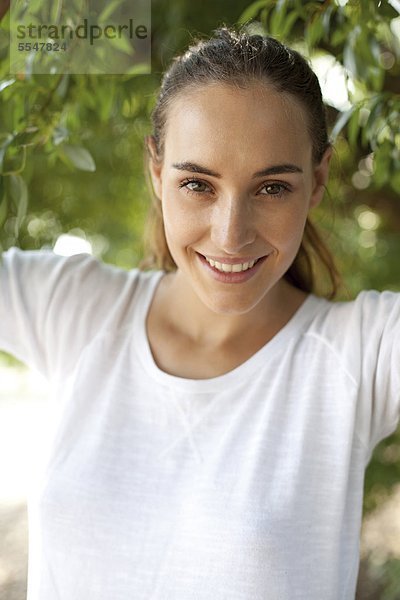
227,268
237,268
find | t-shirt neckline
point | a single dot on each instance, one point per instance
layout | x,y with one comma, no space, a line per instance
227,380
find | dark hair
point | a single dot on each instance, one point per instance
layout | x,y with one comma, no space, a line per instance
239,58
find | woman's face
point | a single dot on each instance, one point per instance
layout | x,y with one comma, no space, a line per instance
236,184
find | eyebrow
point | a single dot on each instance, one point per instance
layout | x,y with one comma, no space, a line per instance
273,170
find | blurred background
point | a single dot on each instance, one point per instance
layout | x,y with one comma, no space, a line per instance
72,178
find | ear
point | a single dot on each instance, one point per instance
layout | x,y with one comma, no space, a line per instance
155,165
320,178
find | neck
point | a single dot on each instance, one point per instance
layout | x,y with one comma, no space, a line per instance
187,314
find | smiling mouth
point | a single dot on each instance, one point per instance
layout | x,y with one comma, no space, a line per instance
232,267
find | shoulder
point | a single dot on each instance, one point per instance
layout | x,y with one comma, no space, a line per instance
359,332
369,311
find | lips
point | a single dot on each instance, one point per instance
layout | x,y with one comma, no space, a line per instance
229,267
232,277
232,261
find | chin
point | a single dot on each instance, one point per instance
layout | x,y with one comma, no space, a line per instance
229,303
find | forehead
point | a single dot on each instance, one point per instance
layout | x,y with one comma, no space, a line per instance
227,122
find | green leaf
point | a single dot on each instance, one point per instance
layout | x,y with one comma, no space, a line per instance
62,88
314,31
108,10
289,23
35,5
278,17
5,84
252,11
79,157
122,44
376,77
350,59
19,196
55,11
139,69
326,21
368,131
382,164
106,103
3,202
353,127
60,134
3,148
341,122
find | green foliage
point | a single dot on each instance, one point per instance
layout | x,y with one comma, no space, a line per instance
77,142
364,37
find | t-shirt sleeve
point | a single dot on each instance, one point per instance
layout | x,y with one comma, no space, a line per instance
51,306
379,409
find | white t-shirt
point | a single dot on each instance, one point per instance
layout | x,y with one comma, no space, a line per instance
245,486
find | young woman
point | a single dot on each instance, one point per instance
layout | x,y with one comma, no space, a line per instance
215,414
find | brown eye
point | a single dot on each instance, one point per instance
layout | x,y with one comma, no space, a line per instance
195,186
275,189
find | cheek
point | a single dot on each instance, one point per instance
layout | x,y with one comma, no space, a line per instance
284,228
182,227
293,229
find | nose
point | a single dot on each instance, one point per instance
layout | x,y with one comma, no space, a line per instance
232,225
